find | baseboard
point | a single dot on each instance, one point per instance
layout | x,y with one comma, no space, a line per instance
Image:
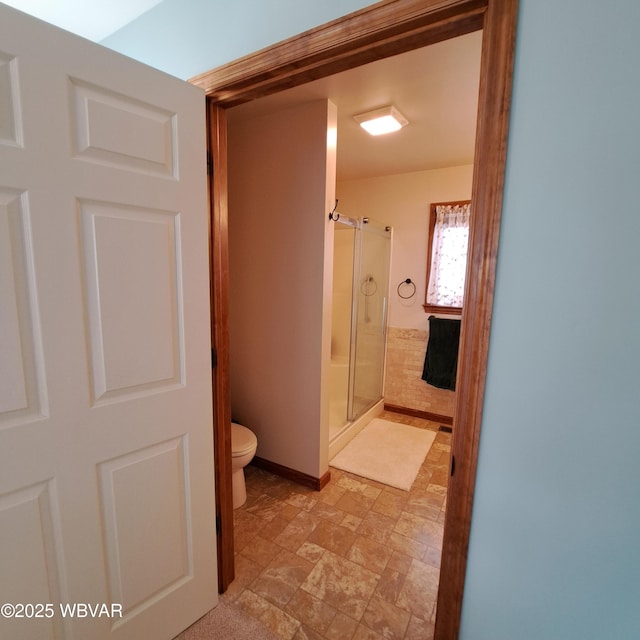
291,474
434,417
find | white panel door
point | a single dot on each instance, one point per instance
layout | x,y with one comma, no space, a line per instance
106,446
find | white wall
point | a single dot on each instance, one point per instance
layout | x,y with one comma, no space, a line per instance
402,201
279,324
188,37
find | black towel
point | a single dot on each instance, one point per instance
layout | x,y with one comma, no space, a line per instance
441,360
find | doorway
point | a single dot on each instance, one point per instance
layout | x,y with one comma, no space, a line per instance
381,30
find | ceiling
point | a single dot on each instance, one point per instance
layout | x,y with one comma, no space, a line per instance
91,19
435,88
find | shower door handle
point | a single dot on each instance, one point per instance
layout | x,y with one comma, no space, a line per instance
384,315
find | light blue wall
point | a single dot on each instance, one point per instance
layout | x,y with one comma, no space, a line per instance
555,544
555,541
187,37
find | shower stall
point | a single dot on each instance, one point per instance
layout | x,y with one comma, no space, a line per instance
362,254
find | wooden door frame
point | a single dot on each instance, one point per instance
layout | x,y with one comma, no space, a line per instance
219,295
381,30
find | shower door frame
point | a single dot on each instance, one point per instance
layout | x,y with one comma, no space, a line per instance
360,226
378,31
354,224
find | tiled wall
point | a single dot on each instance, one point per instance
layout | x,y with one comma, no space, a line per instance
404,386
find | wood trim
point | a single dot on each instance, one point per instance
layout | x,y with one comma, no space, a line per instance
451,311
291,474
219,284
416,413
381,30
496,72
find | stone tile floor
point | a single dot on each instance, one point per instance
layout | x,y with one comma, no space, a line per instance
358,560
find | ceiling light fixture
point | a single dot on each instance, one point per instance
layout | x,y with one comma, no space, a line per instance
380,121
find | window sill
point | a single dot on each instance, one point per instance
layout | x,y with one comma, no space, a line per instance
430,308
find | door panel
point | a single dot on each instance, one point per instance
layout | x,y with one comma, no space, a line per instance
30,555
131,261
115,129
161,497
106,447
10,129
22,396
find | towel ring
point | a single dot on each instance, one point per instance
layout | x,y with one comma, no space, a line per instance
409,282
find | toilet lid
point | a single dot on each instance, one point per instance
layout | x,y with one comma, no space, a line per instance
242,439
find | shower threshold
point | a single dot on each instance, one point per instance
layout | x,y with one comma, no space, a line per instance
352,429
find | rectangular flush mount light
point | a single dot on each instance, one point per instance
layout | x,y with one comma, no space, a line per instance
380,121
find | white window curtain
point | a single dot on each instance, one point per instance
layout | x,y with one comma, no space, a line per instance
449,255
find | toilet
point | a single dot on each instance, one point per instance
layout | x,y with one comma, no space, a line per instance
243,448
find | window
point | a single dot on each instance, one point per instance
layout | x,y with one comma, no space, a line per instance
447,256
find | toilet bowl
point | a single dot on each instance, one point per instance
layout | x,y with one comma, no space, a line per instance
243,448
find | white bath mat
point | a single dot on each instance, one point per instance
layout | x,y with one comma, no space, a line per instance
387,452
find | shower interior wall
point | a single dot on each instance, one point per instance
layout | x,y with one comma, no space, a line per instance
402,201
342,291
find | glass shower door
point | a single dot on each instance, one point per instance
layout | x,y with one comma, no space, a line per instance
369,322
344,249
